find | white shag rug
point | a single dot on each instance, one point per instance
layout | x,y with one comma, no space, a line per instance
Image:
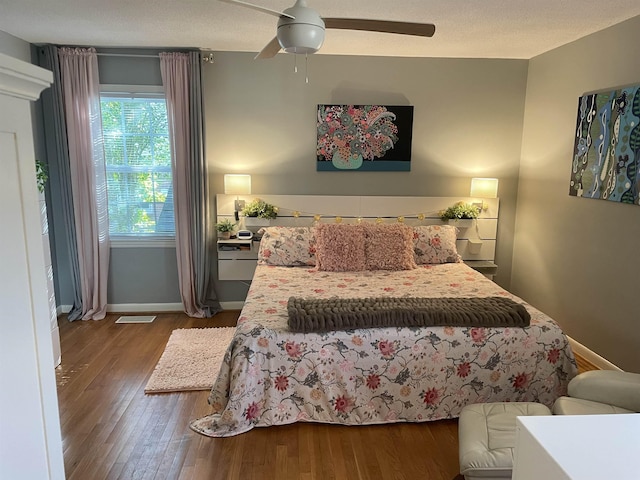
191,360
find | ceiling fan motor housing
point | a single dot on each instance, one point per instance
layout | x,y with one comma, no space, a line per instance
304,34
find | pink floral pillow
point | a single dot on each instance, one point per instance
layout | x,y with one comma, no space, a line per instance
287,246
389,247
435,244
340,247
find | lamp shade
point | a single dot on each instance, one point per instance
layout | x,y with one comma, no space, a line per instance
484,187
235,184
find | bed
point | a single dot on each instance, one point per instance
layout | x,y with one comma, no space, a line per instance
273,376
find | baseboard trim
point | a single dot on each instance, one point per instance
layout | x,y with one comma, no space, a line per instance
591,356
144,307
149,307
132,308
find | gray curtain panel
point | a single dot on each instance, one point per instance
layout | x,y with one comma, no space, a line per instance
81,97
59,185
190,198
202,239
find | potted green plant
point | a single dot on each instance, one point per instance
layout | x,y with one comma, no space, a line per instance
460,214
41,175
225,227
259,213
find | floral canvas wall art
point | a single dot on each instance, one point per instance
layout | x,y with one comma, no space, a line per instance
606,151
364,137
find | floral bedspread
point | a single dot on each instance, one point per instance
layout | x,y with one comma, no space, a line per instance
271,376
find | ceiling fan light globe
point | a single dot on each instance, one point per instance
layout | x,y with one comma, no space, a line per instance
302,39
302,34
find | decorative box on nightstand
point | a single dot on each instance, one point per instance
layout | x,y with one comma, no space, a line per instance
485,267
237,259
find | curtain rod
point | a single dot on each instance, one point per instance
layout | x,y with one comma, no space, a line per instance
126,55
206,57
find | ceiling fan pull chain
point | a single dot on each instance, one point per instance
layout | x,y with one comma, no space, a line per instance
295,63
306,68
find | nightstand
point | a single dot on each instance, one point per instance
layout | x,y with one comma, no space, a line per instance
485,267
237,259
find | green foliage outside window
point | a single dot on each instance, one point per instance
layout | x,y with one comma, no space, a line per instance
42,175
138,165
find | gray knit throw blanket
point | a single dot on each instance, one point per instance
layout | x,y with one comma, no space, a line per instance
327,314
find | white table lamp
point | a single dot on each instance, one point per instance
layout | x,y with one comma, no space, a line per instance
237,184
484,188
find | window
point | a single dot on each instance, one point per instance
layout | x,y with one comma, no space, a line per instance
138,165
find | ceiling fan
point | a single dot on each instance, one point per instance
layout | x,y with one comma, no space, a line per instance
301,29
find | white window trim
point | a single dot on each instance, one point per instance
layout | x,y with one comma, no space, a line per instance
133,241
133,90
141,242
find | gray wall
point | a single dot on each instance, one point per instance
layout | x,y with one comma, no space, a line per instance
260,119
14,47
143,275
574,258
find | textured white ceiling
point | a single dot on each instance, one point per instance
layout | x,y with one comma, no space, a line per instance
464,28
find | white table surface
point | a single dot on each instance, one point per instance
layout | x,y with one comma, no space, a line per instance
584,447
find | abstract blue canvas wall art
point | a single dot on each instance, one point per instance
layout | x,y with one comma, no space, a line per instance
606,153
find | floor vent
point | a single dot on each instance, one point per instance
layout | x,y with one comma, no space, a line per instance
136,319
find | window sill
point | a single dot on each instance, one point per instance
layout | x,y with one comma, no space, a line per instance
142,242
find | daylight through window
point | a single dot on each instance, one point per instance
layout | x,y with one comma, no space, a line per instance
138,165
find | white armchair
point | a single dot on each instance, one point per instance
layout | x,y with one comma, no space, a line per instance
600,392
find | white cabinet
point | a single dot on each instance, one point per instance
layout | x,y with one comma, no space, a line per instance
577,447
29,415
237,259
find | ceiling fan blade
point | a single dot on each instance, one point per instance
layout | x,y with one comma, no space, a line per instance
259,8
270,50
385,26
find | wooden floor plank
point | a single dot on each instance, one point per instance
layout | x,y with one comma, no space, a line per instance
112,430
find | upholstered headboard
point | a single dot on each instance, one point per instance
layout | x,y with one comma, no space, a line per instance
301,210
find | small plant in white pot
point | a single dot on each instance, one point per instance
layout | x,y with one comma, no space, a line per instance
460,214
225,227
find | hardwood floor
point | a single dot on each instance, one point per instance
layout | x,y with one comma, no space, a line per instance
112,430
